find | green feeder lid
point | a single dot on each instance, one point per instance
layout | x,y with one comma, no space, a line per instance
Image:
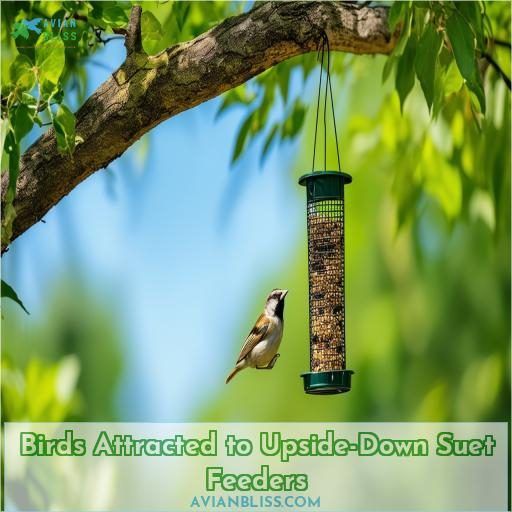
327,383
323,185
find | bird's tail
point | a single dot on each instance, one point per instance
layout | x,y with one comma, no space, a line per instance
234,371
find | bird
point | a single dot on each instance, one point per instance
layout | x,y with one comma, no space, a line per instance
260,348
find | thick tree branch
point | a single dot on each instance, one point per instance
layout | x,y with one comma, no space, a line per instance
145,91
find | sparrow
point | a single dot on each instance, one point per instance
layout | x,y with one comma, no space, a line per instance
260,348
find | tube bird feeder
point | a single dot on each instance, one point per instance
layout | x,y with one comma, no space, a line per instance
326,260
326,267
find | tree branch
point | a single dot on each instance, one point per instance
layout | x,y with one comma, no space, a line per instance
133,40
498,69
501,42
147,90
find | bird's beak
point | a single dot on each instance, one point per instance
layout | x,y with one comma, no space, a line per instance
283,294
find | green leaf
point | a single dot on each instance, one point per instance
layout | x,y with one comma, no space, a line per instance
404,80
12,148
237,96
58,96
242,137
283,79
461,39
114,16
404,36
5,128
28,99
463,45
8,292
180,11
405,191
64,124
388,66
151,28
440,179
263,110
395,14
439,91
477,89
22,120
427,52
294,121
22,73
471,12
50,59
268,142
48,90
453,80
6,90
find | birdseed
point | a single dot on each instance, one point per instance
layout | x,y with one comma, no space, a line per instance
326,285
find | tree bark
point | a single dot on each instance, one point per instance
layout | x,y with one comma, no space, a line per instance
147,90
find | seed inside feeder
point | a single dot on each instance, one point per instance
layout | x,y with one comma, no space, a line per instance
326,280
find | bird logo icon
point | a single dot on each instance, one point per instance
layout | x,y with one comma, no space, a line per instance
24,27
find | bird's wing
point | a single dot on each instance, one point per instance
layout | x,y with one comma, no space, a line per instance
255,336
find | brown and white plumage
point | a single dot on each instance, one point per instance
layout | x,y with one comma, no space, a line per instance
261,346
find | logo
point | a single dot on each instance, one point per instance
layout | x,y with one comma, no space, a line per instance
23,30
24,27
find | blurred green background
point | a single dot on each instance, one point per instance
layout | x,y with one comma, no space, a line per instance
427,264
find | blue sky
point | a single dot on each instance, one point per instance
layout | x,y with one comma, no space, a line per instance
180,240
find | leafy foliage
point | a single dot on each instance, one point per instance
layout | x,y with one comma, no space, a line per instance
64,365
463,43
439,145
9,293
64,124
45,44
428,267
260,96
40,392
425,63
442,44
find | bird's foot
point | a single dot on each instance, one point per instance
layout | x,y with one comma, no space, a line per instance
269,365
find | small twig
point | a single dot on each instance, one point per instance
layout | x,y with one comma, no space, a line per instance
497,68
133,39
81,17
98,33
501,42
113,38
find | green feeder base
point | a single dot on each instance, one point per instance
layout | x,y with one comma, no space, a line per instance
327,383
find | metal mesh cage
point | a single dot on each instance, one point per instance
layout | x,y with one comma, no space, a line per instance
326,285
326,266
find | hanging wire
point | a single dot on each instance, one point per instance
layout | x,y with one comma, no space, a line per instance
323,45
320,52
325,103
332,102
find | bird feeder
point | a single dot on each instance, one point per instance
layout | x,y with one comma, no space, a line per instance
326,264
326,267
